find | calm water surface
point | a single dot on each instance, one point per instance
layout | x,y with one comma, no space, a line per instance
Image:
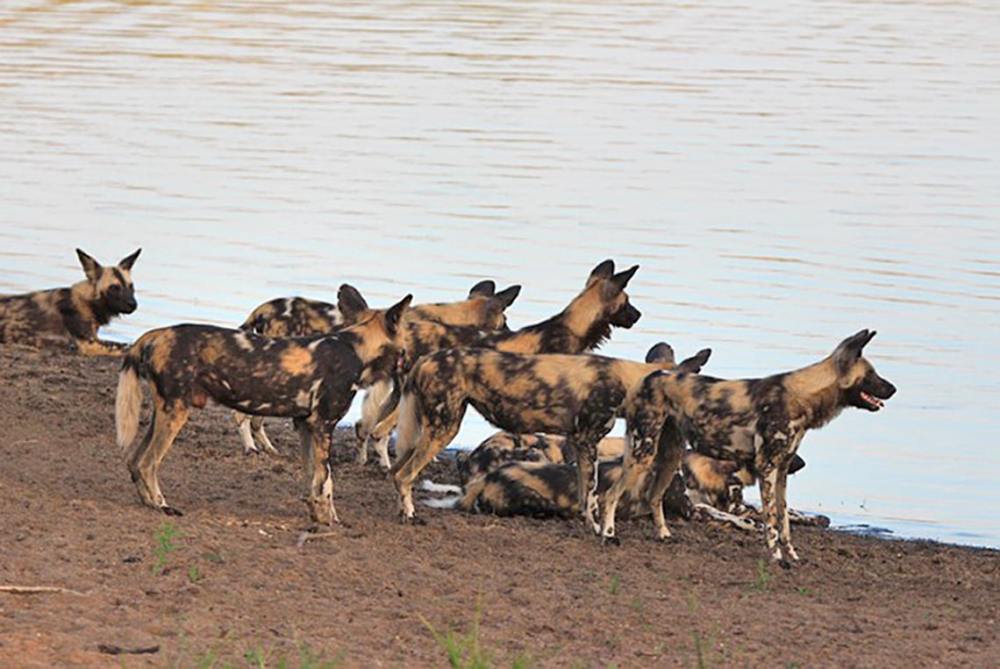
785,173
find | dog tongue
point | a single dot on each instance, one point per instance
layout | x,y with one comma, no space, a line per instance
871,399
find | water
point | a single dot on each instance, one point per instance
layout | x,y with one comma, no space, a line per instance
784,173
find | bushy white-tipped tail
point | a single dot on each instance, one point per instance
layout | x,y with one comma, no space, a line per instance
128,404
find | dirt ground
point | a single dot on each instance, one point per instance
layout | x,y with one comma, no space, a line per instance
228,585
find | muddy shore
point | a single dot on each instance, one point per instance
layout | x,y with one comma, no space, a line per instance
228,584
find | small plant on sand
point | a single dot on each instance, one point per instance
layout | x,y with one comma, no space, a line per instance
164,537
194,574
762,579
615,584
464,651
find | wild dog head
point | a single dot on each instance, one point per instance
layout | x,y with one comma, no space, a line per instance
662,354
484,308
609,290
588,319
112,290
488,307
859,383
378,342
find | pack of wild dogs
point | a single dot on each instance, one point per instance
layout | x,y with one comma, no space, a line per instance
693,442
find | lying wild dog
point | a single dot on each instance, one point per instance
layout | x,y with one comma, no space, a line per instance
301,317
577,396
309,379
758,423
72,315
582,326
704,486
504,447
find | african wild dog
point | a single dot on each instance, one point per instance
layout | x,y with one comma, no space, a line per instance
309,379
479,316
72,315
504,447
759,423
301,317
578,396
582,326
704,486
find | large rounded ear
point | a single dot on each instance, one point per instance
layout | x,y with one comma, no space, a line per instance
621,279
127,262
849,350
661,353
91,267
394,313
694,364
508,295
604,270
618,282
350,302
483,289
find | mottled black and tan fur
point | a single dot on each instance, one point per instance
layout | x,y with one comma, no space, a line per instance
311,380
503,447
758,423
72,316
704,486
582,326
424,327
301,317
577,396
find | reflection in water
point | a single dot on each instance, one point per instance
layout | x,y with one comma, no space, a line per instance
785,175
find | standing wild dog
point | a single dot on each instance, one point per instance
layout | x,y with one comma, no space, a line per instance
72,315
310,379
582,326
577,396
758,423
301,317
482,314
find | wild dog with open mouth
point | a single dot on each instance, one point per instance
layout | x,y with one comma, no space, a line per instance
301,317
758,423
311,380
73,315
582,326
577,396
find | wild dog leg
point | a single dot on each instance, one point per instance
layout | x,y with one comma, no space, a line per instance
381,436
769,507
666,464
132,461
257,428
316,436
631,466
785,531
144,465
95,347
368,429
246,436
435,433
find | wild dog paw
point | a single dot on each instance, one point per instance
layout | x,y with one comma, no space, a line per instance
171,511
612,540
